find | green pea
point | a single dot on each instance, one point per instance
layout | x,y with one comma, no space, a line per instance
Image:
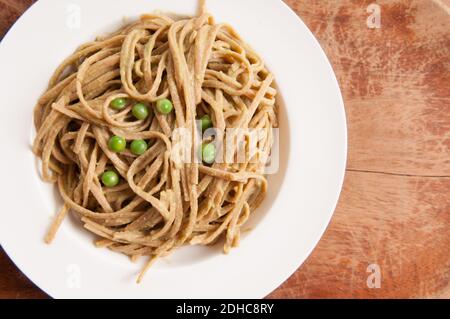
208,153
140,111
164,106
138,147
117,144
206,122
119,103
110,179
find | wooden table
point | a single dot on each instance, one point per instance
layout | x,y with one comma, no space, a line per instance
394,210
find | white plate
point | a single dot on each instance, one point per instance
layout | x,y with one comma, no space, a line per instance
302,195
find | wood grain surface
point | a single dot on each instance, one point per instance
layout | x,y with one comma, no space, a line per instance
394,210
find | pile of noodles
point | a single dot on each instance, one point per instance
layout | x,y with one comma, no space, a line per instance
159,205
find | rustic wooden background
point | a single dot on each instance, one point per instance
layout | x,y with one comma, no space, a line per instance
394,210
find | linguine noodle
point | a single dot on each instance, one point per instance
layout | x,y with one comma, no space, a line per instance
160,204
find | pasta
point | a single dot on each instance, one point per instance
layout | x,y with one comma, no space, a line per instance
178,71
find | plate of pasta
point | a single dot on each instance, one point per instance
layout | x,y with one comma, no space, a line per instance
166,149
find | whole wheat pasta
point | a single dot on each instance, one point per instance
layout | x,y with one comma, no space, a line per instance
160,204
